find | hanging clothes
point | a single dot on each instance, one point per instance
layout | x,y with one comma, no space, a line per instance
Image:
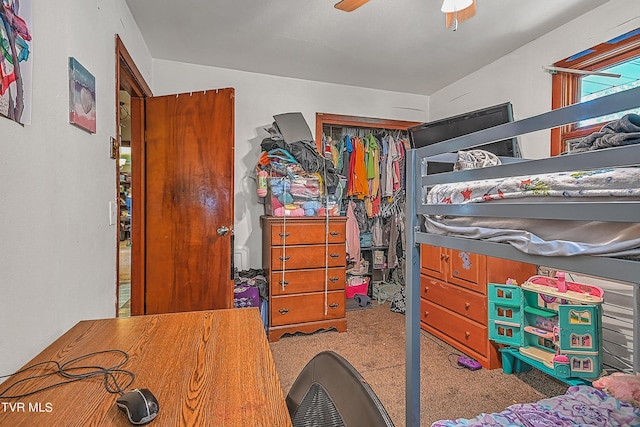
358,184
376,233
346,155
392,258
392,155
399,155
352,235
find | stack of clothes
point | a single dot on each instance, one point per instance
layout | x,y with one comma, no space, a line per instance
300,181
251,289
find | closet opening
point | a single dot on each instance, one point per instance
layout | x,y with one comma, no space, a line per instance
376,202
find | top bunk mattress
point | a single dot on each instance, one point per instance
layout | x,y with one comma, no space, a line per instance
623,183
548,237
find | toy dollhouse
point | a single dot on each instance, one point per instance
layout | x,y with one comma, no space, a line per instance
548,323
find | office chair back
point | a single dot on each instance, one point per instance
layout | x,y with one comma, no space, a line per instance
330,392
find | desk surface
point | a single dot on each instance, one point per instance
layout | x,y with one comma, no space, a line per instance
208,368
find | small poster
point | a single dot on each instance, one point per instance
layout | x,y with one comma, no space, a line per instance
82,97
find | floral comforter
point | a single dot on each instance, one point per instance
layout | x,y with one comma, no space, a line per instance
579,406
616,182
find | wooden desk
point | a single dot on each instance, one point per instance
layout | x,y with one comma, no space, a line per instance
208,368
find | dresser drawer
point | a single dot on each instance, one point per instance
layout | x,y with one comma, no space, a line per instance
288,310
295,257
461,329
467,304
302,281
306,233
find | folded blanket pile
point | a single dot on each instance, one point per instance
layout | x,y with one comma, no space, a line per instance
625,131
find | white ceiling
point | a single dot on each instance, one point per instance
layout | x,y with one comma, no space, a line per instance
397,45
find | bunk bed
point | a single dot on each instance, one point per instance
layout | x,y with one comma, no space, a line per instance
618,265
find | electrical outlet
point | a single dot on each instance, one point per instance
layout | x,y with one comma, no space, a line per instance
112,213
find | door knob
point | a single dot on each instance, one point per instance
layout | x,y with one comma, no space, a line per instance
223,231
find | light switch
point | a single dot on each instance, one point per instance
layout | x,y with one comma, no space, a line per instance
112,213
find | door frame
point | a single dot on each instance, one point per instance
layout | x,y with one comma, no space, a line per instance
129,78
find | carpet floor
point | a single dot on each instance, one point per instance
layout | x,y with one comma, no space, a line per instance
375,345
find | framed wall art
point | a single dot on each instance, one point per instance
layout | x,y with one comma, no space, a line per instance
82,97
16,60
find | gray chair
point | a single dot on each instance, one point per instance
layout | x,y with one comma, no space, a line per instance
330,392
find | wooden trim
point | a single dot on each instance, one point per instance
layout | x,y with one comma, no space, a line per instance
129,78
556,102
132,80
604,54
355,121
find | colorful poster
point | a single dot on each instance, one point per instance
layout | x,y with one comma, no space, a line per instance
15,60
82,96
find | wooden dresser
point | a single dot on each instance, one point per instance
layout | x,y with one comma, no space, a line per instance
295,252
453,298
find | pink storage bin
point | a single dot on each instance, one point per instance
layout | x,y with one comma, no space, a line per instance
357,285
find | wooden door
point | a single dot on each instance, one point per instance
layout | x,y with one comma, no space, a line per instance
189,165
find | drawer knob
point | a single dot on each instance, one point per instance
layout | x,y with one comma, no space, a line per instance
334,255
426,313
334,233
467,305
426,289
285,258
333,279
334,305
467,334
283,283
283,311
283,234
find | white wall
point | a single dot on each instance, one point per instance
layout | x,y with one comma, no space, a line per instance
258,98
518,77
58,252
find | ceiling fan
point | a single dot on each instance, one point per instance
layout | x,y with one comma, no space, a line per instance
349,5
455,10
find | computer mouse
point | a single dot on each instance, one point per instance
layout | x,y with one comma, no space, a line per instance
140,405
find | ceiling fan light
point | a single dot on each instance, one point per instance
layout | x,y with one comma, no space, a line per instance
449,6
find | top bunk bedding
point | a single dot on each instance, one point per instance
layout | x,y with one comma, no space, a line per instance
538,236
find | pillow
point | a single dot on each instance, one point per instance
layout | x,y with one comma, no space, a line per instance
474,159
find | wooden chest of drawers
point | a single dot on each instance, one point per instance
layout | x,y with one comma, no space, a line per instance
305,263
453,298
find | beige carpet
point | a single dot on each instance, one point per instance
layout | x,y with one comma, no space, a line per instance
375,345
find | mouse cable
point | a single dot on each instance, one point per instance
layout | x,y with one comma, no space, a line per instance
111,383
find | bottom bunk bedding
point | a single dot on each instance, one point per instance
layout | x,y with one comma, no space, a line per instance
579,406
545,237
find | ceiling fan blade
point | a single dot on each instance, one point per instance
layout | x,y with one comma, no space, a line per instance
463,14
349,5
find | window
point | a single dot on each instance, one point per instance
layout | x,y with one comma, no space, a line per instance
620,56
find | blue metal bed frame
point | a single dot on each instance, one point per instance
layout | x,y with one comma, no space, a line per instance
610,268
